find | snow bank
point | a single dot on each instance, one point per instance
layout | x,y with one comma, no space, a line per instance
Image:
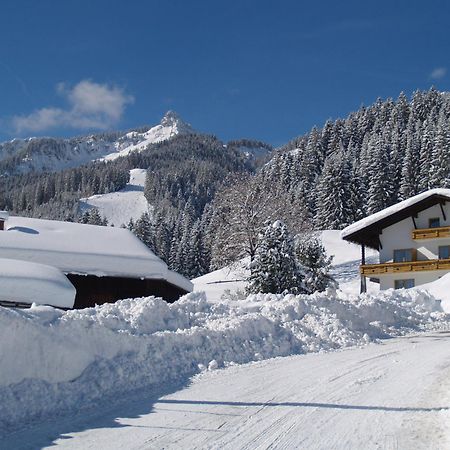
55,361
439,289
26,282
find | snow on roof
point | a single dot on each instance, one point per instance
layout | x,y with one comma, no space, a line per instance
84,249
26,282
374,218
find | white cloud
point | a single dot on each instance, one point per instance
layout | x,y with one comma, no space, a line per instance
89,105
438,73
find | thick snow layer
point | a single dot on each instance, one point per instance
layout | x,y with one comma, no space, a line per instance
83,249
121,206
363,223
439,289
55,361
26,282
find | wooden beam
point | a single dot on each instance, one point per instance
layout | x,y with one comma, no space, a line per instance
380,247
442,210
363,262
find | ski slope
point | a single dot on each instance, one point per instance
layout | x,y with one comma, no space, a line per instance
121,206
376,397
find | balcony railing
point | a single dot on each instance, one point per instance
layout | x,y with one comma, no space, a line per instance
431,233
412,266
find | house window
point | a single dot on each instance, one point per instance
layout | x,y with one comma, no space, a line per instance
444,252
404,284
434,222
403,255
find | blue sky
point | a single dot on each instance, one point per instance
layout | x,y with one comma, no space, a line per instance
260,69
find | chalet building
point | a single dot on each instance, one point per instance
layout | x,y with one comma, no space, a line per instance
104,264
412,238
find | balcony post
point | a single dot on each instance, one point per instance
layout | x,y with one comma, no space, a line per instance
363,261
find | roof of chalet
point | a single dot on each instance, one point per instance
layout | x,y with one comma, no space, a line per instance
84,249
366,231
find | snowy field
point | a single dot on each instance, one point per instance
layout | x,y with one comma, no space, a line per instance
121,206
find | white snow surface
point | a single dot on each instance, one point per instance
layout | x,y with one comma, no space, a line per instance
83,249
56,362
171,125
439,289
121,206
363,223
393,396
26,282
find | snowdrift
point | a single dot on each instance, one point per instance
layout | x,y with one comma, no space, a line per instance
55,362
439,289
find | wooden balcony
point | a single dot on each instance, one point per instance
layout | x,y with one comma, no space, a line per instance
431,233
412,266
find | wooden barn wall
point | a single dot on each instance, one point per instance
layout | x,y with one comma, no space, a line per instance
92,290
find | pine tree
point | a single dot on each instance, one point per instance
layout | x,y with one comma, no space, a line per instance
274,268
143,229
409,184
334,201
380,192
312,256
440,157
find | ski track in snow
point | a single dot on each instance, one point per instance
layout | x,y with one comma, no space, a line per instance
376,397
121,206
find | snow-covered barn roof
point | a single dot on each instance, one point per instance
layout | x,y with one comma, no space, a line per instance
84,249
26,282
366,231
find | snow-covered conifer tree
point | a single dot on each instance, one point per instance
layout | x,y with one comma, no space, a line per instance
334,209
312,256
274,268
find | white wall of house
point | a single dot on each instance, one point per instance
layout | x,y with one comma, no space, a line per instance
387,281
398,236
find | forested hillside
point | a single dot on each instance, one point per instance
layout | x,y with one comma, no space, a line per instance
372,159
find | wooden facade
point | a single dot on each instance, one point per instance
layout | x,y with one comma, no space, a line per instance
92,290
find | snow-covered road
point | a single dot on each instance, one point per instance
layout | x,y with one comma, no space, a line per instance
393,395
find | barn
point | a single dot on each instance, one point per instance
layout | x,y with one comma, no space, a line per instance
104,264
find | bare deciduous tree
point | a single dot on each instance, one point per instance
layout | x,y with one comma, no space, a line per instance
241,211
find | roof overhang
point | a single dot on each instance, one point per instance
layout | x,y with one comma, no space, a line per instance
367,231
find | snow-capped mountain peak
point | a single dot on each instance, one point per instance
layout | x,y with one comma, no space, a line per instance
44,153
172,119
171,125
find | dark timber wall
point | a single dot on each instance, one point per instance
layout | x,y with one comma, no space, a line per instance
92,290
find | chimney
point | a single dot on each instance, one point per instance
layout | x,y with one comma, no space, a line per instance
3,218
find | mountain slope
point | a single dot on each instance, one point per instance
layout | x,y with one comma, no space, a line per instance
55,154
